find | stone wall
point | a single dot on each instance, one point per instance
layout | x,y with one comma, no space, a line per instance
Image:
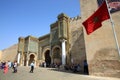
77,43
101,50
9,53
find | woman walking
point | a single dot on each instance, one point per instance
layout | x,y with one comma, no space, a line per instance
5,68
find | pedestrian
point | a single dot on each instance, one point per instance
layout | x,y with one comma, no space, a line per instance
44,64
15,65
9,64
32,67
5,68
78,68
85,67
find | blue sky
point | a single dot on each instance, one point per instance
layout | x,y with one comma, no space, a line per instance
31,17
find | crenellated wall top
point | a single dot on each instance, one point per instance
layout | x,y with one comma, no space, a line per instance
75,18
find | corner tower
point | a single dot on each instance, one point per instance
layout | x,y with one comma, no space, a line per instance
101,50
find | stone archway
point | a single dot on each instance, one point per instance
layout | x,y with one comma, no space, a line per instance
57,58
31,58
47,58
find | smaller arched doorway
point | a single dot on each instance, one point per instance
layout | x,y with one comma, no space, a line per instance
47,58
31,58
57,59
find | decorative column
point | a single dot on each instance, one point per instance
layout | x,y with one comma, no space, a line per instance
27,62
22,61
18,58
27,59
63,52
63,21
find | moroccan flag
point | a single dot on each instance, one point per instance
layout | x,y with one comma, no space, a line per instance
95,20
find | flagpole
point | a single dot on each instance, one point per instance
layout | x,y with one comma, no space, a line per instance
115,36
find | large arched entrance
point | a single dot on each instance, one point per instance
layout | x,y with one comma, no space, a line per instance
31,58
47,58
57,59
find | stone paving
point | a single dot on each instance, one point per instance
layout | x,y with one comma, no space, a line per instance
47,74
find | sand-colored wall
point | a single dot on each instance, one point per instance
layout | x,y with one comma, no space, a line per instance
101,48
9,53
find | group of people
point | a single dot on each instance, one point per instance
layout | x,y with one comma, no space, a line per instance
53,65
5,66
77,68
74,67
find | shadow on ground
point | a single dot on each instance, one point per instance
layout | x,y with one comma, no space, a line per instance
66,71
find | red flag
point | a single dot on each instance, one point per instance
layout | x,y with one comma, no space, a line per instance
95,20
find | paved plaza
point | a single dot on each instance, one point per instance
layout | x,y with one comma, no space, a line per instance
47,74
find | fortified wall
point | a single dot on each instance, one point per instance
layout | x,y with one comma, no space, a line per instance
77,42
9,54
101,51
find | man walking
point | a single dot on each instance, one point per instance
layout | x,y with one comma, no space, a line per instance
32,67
